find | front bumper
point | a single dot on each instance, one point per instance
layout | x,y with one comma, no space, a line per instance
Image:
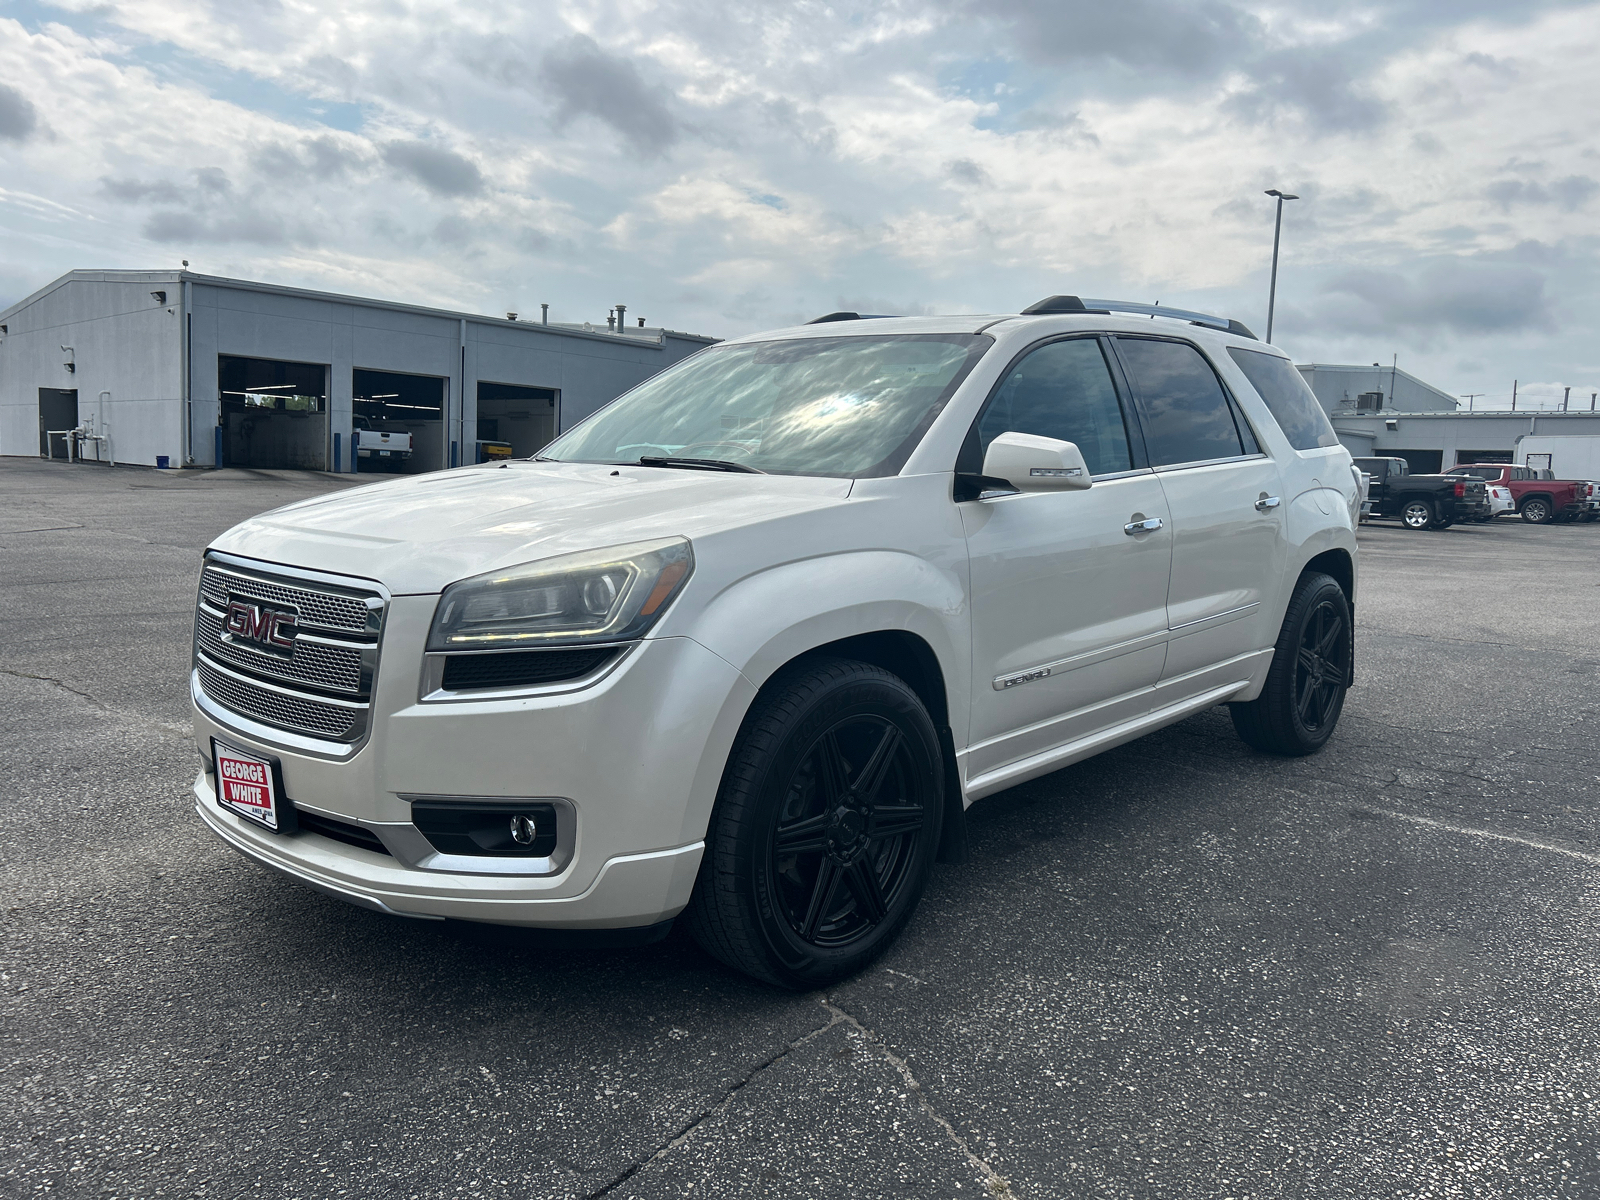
629,890
636,756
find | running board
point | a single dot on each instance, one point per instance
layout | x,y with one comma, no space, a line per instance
1086,747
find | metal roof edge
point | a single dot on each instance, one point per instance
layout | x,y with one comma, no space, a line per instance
251,285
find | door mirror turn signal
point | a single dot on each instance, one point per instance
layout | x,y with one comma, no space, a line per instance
1031,463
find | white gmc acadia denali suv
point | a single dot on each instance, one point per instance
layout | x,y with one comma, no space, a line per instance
744,644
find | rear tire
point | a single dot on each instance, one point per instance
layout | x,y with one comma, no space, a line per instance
1536,511
825,826
1417,514
1304,694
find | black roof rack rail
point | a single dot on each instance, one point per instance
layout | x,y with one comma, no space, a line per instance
1073,304
850,316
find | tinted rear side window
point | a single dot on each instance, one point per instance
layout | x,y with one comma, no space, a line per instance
1290,401
1187,417
1062,390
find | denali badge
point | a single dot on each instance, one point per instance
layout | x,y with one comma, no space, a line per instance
271,628
1011,681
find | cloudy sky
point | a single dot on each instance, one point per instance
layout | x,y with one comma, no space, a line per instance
726,167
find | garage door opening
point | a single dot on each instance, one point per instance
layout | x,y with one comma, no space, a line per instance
274,414
510,415
58,410
1421,462
386,401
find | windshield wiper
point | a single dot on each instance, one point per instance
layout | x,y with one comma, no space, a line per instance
699,464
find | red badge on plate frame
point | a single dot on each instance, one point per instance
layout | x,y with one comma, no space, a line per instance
251,786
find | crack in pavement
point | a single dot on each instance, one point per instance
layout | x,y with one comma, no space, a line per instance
999,1186
178,731
710,1111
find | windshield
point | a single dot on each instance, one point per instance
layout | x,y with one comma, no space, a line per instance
846,406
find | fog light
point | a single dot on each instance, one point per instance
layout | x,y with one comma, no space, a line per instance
512,828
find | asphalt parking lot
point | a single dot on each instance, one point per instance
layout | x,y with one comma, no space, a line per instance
1180,969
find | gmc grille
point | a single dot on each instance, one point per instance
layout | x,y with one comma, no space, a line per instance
319,685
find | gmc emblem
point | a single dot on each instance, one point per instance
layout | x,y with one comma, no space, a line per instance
272,628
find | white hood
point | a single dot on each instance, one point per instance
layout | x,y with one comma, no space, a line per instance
418,534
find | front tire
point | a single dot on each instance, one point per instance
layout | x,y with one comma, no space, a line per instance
825,826
1416,514
1304,694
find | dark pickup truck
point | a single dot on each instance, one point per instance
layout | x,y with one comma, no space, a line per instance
1540,496
1422,501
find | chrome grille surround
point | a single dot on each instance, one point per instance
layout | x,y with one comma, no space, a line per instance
320,694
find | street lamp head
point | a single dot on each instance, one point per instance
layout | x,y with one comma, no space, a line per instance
1281,195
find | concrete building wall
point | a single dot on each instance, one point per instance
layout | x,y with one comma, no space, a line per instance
130,346
126,348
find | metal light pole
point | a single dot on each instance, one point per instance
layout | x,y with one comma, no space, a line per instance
1277,232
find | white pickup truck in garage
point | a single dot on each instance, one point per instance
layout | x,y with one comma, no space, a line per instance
380,443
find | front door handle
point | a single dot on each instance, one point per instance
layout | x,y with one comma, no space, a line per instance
1150,526
1267,502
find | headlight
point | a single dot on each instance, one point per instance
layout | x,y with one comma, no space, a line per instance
597,596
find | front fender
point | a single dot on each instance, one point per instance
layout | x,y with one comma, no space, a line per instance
772,617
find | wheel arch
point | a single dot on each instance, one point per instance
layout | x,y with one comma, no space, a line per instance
909,657
1339,564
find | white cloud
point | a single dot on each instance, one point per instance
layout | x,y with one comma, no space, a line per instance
723,167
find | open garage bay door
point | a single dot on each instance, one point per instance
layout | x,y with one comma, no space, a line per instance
386,401
274,414
509,414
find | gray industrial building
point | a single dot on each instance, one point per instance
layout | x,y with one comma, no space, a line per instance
204,371
1384,412
1435,441
1358,389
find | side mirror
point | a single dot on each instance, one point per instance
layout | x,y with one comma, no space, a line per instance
1031,463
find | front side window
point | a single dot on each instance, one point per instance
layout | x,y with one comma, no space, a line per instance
1062,390
842,406
1485,473
1284,391
1187,417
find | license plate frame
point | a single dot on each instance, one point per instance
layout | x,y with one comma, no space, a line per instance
254,796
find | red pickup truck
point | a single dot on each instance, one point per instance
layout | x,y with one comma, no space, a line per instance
1538,500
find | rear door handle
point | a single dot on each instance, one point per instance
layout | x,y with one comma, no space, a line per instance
1150,526
1267,502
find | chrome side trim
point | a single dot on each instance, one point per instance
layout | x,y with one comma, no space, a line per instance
1221,618
1211,462
1071,663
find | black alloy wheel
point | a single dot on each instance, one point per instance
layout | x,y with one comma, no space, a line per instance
1536,511
1304,694
1416,514
825,827
845,842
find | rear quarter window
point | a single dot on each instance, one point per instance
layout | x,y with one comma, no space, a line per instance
1287,397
